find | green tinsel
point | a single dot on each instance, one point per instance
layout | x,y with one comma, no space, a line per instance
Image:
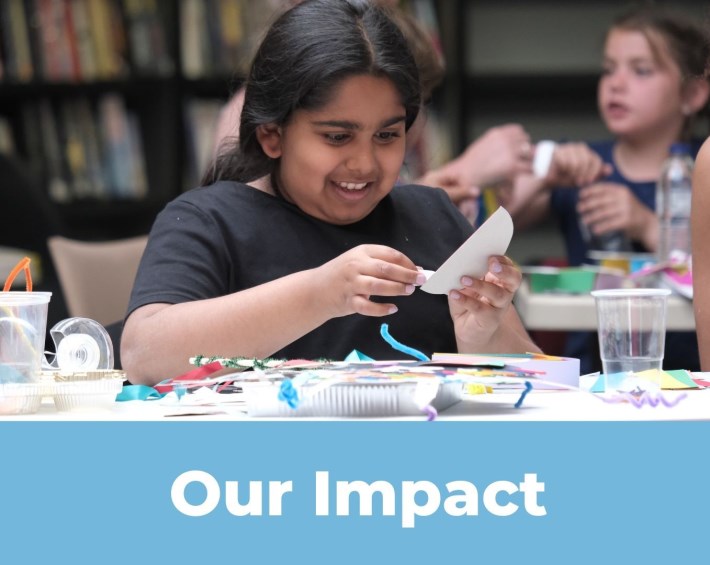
243,362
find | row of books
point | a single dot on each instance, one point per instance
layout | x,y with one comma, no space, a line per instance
88,40
96,152
218,37
86,151
82,40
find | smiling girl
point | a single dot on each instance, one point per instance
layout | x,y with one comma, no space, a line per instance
307,265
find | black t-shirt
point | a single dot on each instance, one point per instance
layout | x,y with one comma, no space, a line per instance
228,237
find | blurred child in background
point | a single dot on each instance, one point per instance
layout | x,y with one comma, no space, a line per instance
650,91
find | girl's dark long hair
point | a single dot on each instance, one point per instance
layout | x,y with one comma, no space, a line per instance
307,51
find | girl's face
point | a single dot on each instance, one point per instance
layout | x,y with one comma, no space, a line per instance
638,95
339,161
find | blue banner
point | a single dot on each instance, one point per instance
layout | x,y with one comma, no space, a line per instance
353,492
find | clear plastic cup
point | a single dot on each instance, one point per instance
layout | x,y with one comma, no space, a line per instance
23,325
632,328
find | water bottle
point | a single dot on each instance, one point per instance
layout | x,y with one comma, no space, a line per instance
612,242
616,241
673,194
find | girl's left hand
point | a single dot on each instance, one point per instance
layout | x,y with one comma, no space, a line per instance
607,206
479,307
575,164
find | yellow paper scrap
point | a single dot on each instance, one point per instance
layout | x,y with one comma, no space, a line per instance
666,380
475,388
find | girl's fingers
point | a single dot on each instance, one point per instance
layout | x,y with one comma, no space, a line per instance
486,292
373,286
497,286
502,271
366,307
384,271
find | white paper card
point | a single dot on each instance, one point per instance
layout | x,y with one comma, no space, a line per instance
491,238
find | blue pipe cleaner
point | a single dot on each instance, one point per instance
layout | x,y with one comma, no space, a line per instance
528,388
384,332
288,393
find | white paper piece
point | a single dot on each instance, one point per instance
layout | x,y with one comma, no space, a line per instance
471,259
425,391
544,151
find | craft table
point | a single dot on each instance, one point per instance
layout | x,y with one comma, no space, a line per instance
540,405
572,312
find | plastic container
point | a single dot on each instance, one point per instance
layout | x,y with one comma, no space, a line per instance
20,398
23,325
567,280
611,242
87,390
346,400
631,328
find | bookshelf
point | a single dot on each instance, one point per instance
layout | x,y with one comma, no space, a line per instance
112,102
104,99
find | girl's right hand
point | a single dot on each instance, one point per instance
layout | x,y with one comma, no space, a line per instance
575,164
348,281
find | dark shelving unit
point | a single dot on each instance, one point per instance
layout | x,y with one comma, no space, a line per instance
495,73
157,98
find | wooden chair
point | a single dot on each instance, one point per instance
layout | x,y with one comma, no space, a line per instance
97,277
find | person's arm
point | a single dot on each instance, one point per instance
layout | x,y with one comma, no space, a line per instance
527,201
700,231
497,156
158,339
573,164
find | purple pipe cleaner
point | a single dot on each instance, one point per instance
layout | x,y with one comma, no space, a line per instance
431,413
638,400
